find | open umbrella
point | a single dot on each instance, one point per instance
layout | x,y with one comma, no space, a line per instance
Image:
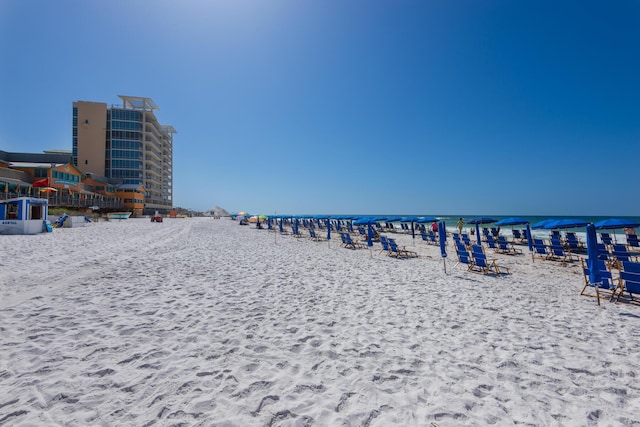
614,223
366,220
540,224
44,182
565,223
511,221
480,220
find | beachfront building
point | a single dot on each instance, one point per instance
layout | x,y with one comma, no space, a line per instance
126,144
19,171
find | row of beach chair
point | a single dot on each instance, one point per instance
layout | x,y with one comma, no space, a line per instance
623,287
476,260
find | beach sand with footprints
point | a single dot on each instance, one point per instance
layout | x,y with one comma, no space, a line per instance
201,322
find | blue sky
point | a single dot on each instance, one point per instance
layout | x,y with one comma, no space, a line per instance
349,106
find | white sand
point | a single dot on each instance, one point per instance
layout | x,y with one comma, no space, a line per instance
204,322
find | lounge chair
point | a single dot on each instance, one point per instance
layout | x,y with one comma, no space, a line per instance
295,231
506,247
399,251
465,239
629,282
621,254
573,242
314,236
433,239
351,244
491,242
540,249
605,286
632,241
60,221
558,253
464,257
429,237
486,265
385,244
606,239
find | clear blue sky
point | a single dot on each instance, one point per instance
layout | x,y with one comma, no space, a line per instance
350,106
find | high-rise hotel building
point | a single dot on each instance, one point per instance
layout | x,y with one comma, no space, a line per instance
127,145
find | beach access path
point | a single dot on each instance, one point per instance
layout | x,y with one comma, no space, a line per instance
202,322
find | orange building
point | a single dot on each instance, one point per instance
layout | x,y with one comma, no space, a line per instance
133,197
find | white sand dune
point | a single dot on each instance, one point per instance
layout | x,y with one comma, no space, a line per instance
201,322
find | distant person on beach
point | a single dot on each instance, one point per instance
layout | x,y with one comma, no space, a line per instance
460,224
629,230
434,226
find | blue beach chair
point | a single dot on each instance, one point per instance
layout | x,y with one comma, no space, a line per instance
487,266
464,257
605,286
632,241
399,251
629,282
506,247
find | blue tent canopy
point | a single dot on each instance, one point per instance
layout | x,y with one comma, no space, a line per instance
511,221
409,219
613,223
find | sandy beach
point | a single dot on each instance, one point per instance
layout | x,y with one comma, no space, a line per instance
201,322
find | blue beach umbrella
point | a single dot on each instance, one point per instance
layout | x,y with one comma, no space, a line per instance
426,219
366,220
529,239
442,237
565,223
511,221
539,225
281,230
480,220
328,229
613,223
592,253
